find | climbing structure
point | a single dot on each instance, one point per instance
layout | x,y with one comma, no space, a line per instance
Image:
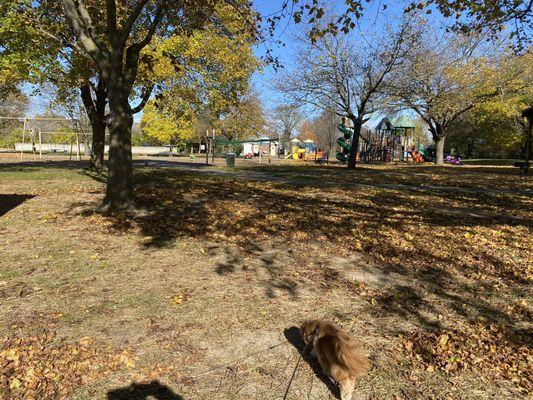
343,142
387,142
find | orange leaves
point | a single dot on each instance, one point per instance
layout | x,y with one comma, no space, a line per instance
42,366
491,350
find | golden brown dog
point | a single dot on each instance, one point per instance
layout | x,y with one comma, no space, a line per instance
338,354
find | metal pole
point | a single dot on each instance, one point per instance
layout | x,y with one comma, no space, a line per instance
32,138
78,157
207,147
23,139
213,148
528,144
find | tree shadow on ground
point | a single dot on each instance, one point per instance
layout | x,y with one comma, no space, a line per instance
38,165
293,336
98,176
168,163
143,391
185,205
253,217
268,262
11,201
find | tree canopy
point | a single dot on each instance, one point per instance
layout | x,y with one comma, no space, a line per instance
441,82
347,75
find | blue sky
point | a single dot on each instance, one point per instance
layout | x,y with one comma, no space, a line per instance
373,18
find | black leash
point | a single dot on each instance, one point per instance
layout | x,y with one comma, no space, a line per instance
298,363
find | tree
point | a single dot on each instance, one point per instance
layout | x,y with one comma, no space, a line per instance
494,129
14,104
164,128
466,16
325,129
36,43
287,117
209,75
245,119
130,27
307,131
348,72
443,80
476,16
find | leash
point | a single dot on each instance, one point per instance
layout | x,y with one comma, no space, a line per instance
298,363
241,359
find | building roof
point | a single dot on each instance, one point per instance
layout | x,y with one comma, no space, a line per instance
403,122
384,125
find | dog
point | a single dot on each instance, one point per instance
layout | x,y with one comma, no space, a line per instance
338,354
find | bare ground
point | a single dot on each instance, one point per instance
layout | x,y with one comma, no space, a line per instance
199,293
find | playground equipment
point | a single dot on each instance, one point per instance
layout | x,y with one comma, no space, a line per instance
45,135
302,151
297,153
453,160
388,142
419,155
343,142
321,156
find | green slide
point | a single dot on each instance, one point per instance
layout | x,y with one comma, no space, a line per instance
343,142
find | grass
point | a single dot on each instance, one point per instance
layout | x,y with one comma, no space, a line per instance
491,161
197,295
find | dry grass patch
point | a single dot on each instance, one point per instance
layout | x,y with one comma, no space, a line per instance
202,286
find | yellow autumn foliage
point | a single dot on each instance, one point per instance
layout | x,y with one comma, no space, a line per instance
165,128
203,70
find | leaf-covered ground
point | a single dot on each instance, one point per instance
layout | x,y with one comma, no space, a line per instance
198,293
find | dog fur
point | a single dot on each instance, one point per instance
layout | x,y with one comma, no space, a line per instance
338,354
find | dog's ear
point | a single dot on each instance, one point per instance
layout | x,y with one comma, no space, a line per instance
308,330
304,330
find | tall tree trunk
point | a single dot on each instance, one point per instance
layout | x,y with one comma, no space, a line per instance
98,147
438,133
352,158
470,146
95,109
119,193
439,142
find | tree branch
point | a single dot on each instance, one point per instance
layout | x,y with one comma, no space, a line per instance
144,99
89,26
128,26
111,7
88,102
84,37
159,14
62,41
